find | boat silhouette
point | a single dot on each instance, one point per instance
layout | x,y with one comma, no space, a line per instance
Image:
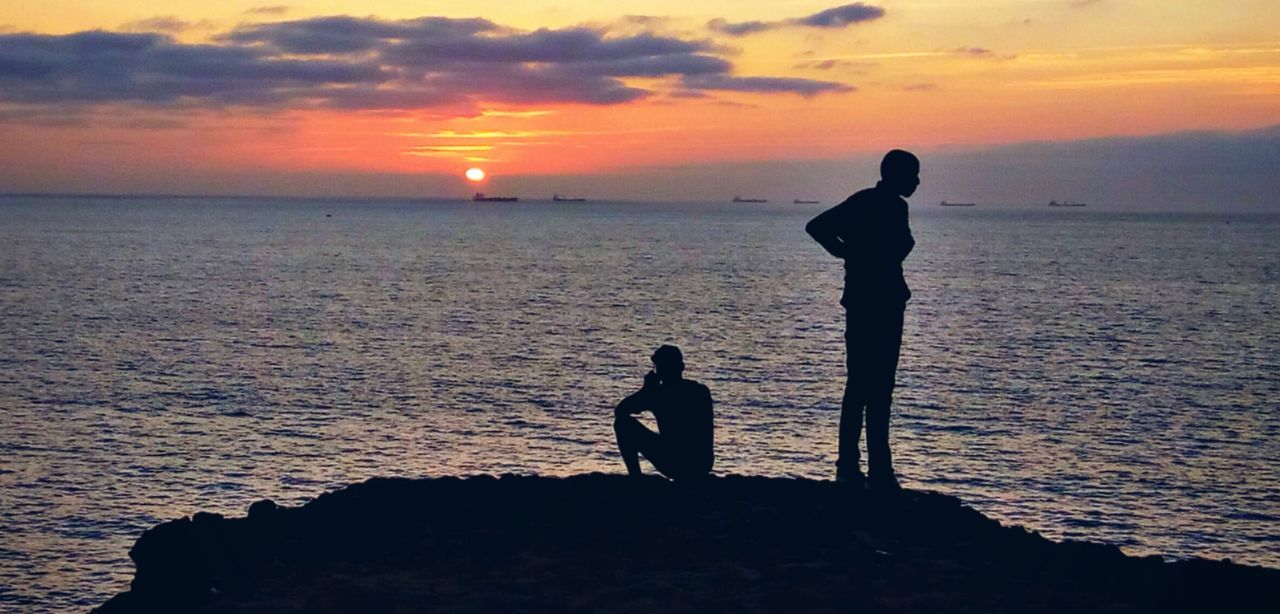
739,199
481,198
804,202
1066,203
567,199
947,204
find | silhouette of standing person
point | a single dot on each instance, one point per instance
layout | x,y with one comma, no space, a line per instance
683,447
870,232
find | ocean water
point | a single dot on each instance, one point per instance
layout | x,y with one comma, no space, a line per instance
1087,374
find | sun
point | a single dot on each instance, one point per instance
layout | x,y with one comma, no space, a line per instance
475,174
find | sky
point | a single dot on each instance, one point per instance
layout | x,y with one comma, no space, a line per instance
1127,103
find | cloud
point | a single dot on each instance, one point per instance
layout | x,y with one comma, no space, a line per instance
832,18
764,85
365,64
641,23
49,117
510,113
741,28
154,123
982,52
842,16
168,24
343,34
831,64
278,9
102,67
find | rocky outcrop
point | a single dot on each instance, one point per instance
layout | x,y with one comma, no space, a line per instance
610,543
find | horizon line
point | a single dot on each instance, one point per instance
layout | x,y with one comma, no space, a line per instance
918,205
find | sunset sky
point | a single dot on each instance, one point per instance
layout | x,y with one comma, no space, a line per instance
717,97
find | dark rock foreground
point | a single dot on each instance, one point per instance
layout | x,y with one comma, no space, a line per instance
606,543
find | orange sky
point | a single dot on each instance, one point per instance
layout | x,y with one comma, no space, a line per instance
928,75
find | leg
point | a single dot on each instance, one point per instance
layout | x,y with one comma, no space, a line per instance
635,439
628,431
848,458
879,458
855,396
886,348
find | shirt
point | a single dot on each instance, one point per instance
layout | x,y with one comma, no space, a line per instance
874,227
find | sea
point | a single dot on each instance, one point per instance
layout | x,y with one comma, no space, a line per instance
1085,373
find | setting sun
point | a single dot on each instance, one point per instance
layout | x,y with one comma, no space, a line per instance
475,174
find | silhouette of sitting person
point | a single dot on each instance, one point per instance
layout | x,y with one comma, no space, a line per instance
870,232
683,447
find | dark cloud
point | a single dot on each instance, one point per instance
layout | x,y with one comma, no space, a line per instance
344,34
365,63
741,28
97,67
838,17
842,16
543,46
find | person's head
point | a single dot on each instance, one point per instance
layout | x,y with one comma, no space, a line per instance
668,363
900,172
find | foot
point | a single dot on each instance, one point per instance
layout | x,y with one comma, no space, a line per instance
854,479
885,482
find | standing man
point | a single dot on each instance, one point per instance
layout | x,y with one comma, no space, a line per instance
870,232
684,446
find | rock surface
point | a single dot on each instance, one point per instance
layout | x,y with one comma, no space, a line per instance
610,543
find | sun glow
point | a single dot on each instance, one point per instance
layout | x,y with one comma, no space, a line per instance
475,174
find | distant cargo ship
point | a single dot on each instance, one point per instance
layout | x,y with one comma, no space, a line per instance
1066,203
481,198
568,199
804,202
739,199
947,204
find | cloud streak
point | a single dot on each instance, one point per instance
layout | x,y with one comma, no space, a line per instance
832,18
804,87
276,9
370,64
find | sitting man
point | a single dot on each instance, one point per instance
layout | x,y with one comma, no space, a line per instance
682,448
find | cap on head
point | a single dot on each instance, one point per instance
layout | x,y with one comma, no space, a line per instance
899,163
668,357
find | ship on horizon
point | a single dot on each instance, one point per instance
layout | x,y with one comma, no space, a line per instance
800,201
1066,203
481,198
568,199
739,199
947,204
